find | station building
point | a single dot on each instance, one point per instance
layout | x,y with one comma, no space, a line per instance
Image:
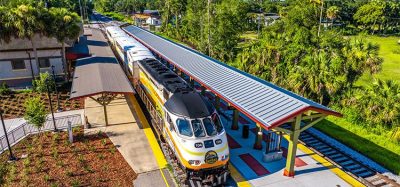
17,60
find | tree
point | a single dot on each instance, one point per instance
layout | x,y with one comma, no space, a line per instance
26,23
64,25
44,80
292,55
377,104
332,13
369,15
35,112
6,31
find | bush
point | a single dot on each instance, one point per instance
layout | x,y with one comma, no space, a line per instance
40,85
35,112
4,89
3,173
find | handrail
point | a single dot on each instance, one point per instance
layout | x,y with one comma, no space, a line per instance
15,135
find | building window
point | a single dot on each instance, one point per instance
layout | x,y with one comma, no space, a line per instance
44,63
18,64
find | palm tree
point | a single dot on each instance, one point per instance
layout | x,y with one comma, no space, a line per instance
65,26
5,25
332,13
26,22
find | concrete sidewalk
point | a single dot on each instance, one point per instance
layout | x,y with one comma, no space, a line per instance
124,132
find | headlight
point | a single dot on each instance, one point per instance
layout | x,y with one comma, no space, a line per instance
218,141
198,145
224,157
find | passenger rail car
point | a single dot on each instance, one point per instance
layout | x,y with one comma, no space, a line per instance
125,45
193,129
114,32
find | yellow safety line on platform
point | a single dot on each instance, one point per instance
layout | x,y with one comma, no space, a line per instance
343,175
239,179
161,161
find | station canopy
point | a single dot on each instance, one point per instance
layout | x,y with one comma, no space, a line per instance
262,101
99,75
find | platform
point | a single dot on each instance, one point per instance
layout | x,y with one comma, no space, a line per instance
311,169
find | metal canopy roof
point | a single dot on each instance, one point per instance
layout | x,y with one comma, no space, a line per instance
97,75
263,102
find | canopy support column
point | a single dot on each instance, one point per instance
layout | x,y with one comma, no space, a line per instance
203,90
217,102
235,119
104,100
292,148
105,114
191,82
257,143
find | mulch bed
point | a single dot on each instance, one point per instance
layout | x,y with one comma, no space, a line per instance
51,160
13,106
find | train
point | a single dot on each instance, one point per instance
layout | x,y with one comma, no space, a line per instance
192,129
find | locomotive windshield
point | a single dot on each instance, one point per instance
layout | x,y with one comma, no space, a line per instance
184,127
200,127
210,128
217,122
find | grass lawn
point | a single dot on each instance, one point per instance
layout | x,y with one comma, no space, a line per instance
379,148
391,63
92,160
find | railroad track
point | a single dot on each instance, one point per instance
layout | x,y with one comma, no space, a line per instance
365,174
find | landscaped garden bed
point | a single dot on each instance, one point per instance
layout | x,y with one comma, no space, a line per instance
12,104
51,160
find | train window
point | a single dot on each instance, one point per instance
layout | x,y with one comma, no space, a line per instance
217,122
198,128
184,127
209,126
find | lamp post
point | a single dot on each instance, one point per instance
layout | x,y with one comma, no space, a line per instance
55,88
11,157
51,104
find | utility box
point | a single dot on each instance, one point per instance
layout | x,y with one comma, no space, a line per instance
272,156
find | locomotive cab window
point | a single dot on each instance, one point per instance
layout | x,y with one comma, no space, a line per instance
217,122
184,127
198,128
209,126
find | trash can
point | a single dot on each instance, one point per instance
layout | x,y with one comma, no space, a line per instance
245,131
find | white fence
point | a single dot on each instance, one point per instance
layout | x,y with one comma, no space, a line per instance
19,133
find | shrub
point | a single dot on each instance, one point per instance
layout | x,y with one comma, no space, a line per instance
35,112
40,85
3,173
75,183
47,178
69,173
4,89
12,173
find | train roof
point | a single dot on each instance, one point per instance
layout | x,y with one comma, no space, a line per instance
189,104
140,55
164,76
127,42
